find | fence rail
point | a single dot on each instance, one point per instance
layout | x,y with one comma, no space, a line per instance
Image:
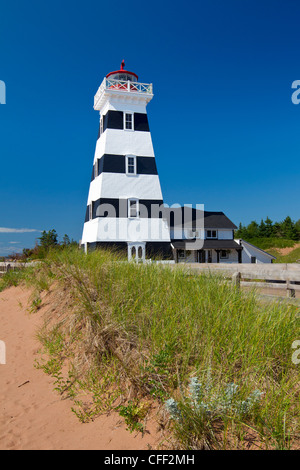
266,276
12,266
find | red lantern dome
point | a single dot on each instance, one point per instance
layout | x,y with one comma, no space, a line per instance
123,74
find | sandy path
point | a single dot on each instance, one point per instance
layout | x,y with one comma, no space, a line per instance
33,416
286,251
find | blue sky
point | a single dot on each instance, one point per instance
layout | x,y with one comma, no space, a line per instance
224,128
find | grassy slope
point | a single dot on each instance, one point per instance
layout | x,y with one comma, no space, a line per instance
150,328
292,257
273,245
267,243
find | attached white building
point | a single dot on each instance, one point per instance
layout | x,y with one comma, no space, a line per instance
253,254
199,236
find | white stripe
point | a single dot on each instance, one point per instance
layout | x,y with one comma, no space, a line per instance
121,186
123,229
120,142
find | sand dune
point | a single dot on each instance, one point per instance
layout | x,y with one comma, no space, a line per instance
32,414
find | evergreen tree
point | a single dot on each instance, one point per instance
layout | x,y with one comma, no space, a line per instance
288,229
268,227
297,228
66,240
240,233
253,230
262,229
48,239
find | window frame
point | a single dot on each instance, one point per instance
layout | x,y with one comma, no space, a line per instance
134,165
129,113
211,237
136,200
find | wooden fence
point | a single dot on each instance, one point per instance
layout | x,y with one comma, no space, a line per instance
12,266
266,276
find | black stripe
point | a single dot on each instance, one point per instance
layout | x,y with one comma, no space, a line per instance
160,250
109,163
146,166
141,122
111,207
120,246
115,120
87,214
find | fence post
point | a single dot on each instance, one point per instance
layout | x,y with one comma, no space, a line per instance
236,279
290,292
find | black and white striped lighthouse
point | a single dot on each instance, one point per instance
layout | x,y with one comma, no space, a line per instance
125,203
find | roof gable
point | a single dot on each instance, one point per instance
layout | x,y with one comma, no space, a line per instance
187,217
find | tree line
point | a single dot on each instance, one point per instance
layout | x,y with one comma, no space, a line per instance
48,240
287,229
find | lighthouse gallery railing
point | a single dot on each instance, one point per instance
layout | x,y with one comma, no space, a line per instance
123,85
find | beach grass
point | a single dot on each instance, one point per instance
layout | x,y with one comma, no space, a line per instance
149,331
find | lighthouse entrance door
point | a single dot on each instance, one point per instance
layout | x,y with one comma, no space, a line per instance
137,252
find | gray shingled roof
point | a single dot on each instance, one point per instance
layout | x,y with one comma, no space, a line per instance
206,245
213,220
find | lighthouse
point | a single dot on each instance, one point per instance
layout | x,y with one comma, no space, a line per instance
125,202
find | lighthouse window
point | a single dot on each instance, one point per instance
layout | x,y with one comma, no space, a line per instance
133,208
128,121
131,165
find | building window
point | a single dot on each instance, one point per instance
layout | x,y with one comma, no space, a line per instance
91,211
101,125
96,169
224,254
253,259
133,208
181,254
211,234
128,121
130,164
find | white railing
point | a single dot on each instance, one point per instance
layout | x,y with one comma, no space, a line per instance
123,85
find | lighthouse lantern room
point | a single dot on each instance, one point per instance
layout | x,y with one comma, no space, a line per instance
125,203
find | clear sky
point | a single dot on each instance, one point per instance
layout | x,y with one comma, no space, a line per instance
224,128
